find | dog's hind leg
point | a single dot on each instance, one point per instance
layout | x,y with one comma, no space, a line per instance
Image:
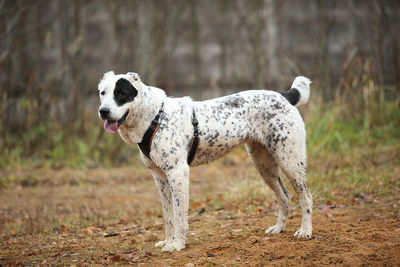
269,170
293,165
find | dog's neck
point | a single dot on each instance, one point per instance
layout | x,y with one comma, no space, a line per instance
139,120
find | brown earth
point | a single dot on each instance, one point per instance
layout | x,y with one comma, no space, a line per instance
359,235
85,217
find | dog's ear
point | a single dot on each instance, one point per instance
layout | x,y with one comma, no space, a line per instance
105,76
134,76
124,92
108,74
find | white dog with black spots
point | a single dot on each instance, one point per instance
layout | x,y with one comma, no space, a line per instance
266,122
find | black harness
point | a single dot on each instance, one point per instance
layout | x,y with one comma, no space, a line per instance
194,143
145,145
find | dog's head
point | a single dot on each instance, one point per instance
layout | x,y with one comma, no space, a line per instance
118,94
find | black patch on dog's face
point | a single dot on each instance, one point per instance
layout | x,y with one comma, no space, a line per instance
124,92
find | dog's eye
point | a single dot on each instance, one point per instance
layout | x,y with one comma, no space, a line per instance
103,92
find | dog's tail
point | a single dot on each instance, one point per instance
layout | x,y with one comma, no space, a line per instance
299,92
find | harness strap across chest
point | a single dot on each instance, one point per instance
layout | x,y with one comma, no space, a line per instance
145,145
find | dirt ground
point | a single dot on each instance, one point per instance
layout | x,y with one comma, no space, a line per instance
109,217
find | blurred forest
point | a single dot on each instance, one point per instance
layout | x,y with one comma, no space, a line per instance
53,54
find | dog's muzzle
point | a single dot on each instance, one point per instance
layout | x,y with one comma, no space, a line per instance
122,120
112,126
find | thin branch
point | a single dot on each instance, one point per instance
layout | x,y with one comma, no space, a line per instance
1,5
9,27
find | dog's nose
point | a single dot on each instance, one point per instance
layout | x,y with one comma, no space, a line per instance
104,112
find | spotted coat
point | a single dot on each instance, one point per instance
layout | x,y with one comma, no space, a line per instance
266,122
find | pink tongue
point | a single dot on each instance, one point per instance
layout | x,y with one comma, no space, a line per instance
111,127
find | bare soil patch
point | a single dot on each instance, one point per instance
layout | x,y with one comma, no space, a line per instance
358,235
113,216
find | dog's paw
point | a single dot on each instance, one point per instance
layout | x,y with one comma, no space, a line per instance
161,244
301,233
173,246
276,229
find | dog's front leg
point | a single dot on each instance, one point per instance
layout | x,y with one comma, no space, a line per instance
166,200
178,179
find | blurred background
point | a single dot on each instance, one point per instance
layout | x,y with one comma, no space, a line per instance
53,53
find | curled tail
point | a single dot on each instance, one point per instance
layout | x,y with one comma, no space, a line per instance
299,92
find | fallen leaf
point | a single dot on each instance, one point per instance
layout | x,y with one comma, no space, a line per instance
148,254
114,258
196,204
335,191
